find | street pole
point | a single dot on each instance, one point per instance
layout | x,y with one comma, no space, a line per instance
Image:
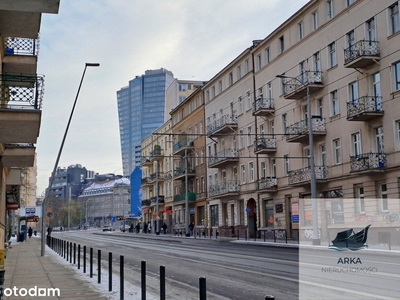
314,203
186,195
45,200
69,207
157,203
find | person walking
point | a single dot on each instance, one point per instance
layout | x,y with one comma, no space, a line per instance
30,232
191,227
164,228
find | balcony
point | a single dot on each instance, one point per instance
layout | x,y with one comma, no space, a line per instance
146,202
20,108
18,155
268,184
298,132
146,181
222,158
153,200
263,107
157,154
225,189
182,197
368,162
20,55
265,144
224,124
146,162
364,108
180,147
302,176
180,173
154,177
362,54
296,88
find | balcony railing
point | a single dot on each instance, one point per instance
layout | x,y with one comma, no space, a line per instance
304,175
153,200
263,106
265,143
21,46
153,176
178,172
21,91
364,108
361,54
146,161
296,88
146,180
156,153
146,202
367,162
267,183
182,144
182,197
220,124
227,187
224,156
301,128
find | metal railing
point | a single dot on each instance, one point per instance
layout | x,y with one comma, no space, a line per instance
307,77
182,197
267,183
361,48
231,186
267,141
367,161
221,122
153,176
304,174
301,128
182,144
365,104
224,155
21,46
263,103
21,91
182,171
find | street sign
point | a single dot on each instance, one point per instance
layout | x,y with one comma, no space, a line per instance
248,209
30,210
12,206
113,219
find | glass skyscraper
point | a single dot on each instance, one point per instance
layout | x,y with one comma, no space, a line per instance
141,109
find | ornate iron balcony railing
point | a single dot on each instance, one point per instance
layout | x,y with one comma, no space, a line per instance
263,103
221,122
304,175
224,155
367,161
267,141
231,186
181,197
153,176
307,77
299,128
144,160
182,171
182,144
21,46
267,183
365,104
146,180
21,91
156,152
154,199
361,48
146,202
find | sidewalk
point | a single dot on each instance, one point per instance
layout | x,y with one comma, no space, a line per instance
27,269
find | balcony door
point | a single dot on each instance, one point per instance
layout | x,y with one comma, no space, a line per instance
376,85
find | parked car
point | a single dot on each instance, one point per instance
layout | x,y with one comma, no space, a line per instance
124,228
107,228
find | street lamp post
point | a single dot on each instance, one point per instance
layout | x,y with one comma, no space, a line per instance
45,200
316,237
186,195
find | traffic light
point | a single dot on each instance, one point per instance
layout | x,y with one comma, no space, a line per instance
121,218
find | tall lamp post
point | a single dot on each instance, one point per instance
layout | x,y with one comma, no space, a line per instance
316,237
45,200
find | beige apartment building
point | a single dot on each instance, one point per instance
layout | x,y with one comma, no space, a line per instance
344,56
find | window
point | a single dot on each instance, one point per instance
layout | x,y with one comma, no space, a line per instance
239,72
332,55
220,86
394,18
337,152
269,213
353,93
203,185
286,163
240,104
272,127
322,151
351,40
243,173
246,66
259,62
300,28
329,9
248,100
272,166
371,33
359,199
208,96
306,155
281,44
379,140
334,103
314,17
241,139
396,75
397,134
249,141
356,144
383,205
269,91
263,170
284,123
251,171
214,215
230,79
317,61
213,92
320,108
267,55
182,87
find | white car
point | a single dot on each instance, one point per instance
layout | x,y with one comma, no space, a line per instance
124,229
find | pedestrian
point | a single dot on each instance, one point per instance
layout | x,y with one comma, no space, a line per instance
137,227
49,231
164,227
145,226
30,232
191,227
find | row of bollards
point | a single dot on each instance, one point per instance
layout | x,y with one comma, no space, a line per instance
67,250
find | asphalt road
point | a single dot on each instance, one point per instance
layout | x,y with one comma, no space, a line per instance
232,271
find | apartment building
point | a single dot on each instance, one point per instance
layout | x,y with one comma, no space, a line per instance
21,94
342,57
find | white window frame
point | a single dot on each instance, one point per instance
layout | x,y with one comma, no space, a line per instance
314,20
239,72
300,30
267,55
356,145
332,61
335,105
370,29
359,197
263,169
337,151
396,76
329,9
243,173
383,198
379,139
241,139
249,136
240,105
397,134
246,66
251,171
286,164
259,62
394,19
248,100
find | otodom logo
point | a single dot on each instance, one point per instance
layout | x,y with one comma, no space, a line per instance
349,240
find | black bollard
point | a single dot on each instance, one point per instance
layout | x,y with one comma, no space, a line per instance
79,256
121,277
70,252
203,290
269,297
143,269
91,262
98,266
109,271
67,251
84,259
74,253
162,282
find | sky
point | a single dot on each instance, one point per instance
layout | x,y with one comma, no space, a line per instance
192,39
